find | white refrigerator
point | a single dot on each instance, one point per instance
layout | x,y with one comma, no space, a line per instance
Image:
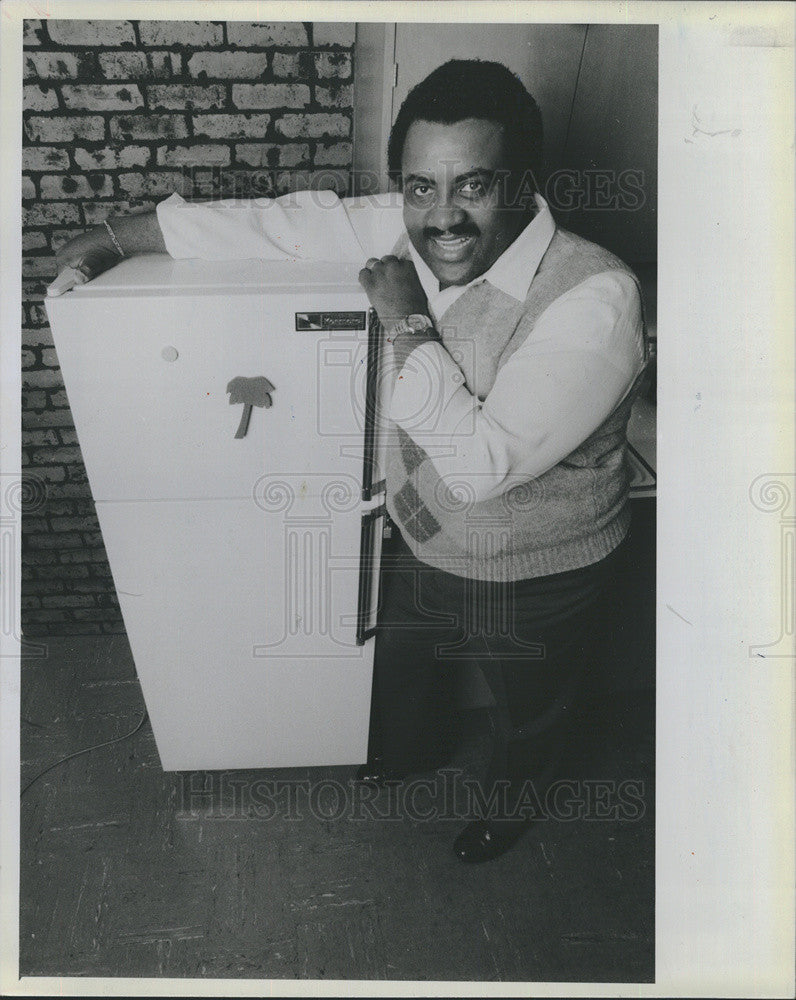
231,420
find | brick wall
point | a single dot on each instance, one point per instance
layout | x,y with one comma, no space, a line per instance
117,115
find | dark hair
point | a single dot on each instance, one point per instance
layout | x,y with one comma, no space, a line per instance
470,88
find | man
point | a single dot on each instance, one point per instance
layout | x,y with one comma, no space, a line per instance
517,349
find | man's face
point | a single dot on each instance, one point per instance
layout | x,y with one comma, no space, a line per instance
454,202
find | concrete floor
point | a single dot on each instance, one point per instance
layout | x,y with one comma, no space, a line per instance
130,871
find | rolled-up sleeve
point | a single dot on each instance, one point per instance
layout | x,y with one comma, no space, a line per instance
305,225
578,362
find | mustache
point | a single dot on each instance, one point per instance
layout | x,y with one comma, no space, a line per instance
463,229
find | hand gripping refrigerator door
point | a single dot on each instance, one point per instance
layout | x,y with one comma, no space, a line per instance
231,420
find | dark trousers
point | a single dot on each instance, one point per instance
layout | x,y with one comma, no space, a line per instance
535,640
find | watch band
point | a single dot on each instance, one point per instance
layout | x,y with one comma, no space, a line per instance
413,323
116,244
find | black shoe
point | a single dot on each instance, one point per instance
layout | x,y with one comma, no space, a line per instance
485,839
377,774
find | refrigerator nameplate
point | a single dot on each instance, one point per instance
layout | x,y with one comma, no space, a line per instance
330,321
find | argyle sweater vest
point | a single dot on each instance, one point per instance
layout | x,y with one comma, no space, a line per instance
574,514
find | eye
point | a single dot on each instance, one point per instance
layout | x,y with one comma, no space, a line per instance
419,194
473,188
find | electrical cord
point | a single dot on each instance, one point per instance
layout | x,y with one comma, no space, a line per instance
78,753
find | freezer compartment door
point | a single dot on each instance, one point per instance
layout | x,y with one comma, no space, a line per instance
186,397
242,619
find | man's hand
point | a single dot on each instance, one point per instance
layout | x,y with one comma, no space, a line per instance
93,252
395,292
83,258
394,289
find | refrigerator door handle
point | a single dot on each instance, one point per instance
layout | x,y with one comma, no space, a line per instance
371,402
368,565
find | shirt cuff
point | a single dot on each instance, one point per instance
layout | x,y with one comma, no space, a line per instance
169,226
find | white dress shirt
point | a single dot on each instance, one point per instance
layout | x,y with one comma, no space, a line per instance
579,362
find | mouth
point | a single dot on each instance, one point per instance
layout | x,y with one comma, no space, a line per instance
450,247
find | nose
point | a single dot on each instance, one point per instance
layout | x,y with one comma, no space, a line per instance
445,213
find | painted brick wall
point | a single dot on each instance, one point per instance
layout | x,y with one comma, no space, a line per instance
117,115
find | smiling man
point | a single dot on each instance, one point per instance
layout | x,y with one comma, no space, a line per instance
522,345
454,208
517,350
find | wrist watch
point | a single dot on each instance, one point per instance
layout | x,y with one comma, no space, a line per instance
414,323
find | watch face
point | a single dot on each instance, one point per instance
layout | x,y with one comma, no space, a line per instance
417,321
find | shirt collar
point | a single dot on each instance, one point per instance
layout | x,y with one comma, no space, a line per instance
512,272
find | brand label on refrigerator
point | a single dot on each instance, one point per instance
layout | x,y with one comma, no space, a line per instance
330,321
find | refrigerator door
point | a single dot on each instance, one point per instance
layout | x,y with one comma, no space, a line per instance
243,630
157,375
